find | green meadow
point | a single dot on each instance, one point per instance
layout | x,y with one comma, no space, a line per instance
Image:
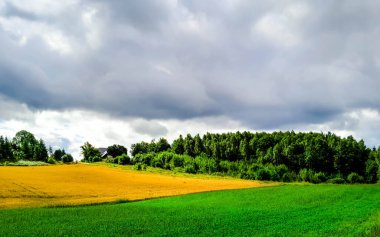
288,210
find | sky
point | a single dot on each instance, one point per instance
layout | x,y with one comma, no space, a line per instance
119,72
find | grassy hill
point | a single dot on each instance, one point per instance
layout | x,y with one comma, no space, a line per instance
290,210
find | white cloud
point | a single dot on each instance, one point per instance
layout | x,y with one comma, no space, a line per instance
57,41
163,69
185,67
93,27
281,28
71,128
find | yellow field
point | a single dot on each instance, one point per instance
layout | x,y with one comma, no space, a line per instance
86,184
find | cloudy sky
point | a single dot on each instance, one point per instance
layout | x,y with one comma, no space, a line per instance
108,71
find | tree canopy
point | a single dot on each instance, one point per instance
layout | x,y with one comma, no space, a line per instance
24,146
314,157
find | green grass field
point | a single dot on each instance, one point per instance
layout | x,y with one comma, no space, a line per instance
290,210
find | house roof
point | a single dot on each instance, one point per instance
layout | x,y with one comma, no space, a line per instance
103,151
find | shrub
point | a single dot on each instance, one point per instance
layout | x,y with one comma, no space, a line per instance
267,172
67,158
303,175
51,160
281,170
354,178
158,161
371,171
317,177
145,158
189,165
337,180
229,167
263,174
139,166
95,158
206,165
110,160
288,177
123,159
177,161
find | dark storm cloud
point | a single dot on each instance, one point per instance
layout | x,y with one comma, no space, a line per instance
267,64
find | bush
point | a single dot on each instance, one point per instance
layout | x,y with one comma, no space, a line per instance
67,158
110,160
123,159
177,161
158,161
51,160
303,175
263,174
317,178
371,171
229,167
139,166
336,181
281,170
205,165
144,158
95,159
354,178
288,177
267,172
189,165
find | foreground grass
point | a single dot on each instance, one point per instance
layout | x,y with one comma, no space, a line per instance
291,210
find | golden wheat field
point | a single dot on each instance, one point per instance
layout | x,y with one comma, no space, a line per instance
87,184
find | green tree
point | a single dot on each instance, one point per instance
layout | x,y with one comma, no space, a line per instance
39,151
139,148
90,153
244,150
67,158
178,145
58,154
24,142
198,145
162,145
116,150
188,145
6,153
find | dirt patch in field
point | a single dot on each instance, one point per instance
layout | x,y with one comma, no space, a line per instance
87,184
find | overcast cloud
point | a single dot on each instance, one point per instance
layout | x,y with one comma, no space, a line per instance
146,69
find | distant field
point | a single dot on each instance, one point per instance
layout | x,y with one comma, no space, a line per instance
87,184
290,210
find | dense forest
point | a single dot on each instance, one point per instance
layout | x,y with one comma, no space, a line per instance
278,156
24,146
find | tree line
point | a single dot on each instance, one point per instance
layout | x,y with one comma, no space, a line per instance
24,146
279,156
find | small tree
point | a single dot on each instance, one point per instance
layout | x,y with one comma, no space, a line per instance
162,145
90,153
123,159
354,178
58,154
116,150
139,148
67,158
